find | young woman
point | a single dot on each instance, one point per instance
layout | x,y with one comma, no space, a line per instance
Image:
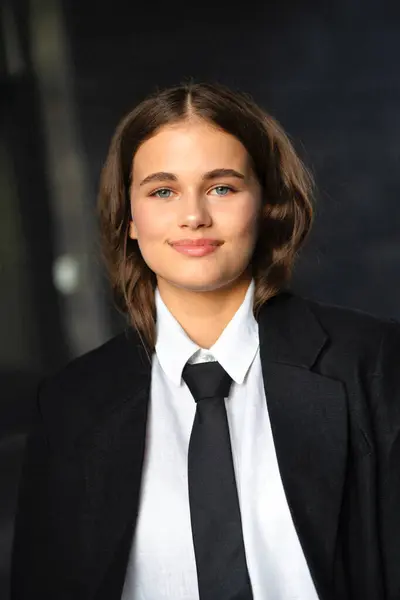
237,441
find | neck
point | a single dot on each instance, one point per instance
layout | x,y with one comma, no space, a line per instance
204,315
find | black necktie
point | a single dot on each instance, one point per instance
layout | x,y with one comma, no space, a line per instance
214,505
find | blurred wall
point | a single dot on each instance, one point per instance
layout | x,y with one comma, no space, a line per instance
68,72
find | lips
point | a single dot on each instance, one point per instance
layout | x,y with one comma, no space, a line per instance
197,248
196,243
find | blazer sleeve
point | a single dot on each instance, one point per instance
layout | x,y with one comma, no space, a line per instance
386,419
29,555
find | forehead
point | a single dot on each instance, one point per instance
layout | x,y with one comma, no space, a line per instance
190,146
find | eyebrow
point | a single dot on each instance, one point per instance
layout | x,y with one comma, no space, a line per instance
214,174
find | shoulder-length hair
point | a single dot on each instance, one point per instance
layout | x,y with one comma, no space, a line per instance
287,194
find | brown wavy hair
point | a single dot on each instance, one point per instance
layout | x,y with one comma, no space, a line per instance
287,193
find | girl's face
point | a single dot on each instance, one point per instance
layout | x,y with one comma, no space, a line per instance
193,184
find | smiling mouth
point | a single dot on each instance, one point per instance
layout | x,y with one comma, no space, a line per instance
198,242
196,248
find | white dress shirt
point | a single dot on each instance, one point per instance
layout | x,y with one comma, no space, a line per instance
162,561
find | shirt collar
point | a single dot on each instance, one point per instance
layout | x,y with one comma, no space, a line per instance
173,345
237,345
174,348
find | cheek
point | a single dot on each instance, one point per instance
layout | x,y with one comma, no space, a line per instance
243,221
149,223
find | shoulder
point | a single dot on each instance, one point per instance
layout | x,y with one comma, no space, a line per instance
358,327
374,341
95,367
350,334
351,323
367,343
89,383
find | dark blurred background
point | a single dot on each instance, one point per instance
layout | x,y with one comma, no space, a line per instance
329,71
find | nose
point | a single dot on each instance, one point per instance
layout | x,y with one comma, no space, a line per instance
194,212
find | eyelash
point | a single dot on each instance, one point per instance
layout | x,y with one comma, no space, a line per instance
228,187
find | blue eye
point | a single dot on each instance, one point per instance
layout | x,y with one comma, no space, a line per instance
162,193
222,190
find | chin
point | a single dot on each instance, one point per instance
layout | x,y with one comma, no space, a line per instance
201,287
201,284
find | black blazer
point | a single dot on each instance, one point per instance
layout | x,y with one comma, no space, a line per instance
332,382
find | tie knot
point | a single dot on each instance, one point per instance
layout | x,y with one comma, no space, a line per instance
207,380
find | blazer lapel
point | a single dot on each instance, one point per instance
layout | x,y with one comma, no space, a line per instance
308,414
111,456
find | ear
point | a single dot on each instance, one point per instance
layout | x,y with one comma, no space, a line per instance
132,231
